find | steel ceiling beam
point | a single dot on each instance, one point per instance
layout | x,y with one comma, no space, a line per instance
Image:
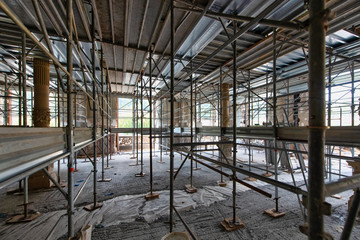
265,22
19,23
84,19
97,20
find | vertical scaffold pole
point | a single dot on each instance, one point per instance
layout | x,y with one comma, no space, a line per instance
70,127
234,127
191,127
275,120
151,195
23,68
172,50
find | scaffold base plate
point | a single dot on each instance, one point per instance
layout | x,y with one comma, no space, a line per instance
336,196
21,218
267,174
151,196
250,179
140,175
222,184
273,213
105,180
92,207
190,189
229,225
135,164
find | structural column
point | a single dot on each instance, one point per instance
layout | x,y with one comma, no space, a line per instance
41,112
225,120
41,116
316,118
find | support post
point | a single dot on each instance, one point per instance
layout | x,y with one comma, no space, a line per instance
108,110
137,125
20,78
189,187
353,212
26,217
274,212
134,126
234,222
329,114
6,101
172,72
141,174
95,204
221,124
23,68
352,71
103,179
161,134
41,116
152,195
316,127
70,126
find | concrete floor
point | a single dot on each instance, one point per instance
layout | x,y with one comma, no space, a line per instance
204,219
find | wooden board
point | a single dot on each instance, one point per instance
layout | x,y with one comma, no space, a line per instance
21,218
190,189
273,213
230,226
91,207
151,196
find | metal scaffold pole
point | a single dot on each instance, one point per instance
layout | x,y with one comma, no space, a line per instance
274,212
329,114
191,127
137,125
220,107
275,120
95,204
134,126
108,136
172,50
161,133
317,118
234,218
352,72
70,127
103,179
94,109
152,195
234,222
141,174
23,69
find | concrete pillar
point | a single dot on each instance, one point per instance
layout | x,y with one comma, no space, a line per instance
41,116
225,119
41,112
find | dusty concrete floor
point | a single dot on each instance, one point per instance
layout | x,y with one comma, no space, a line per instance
204,220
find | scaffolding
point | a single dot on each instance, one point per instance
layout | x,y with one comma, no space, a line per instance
282,92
